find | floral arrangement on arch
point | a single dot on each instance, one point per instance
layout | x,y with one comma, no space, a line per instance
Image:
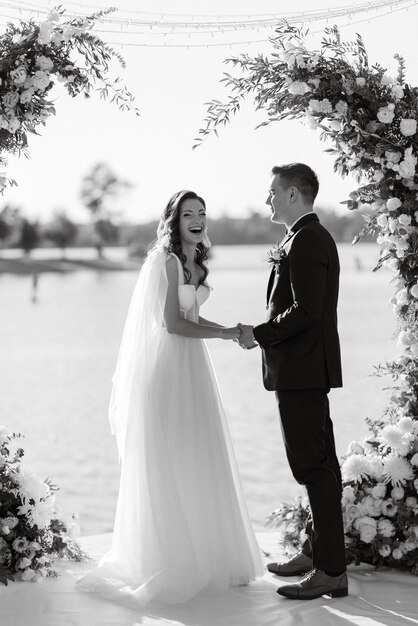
31,534
32,57
371,120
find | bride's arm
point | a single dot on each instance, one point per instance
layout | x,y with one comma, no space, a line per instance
176,324
209,323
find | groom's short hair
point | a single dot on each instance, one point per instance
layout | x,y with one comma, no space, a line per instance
298,175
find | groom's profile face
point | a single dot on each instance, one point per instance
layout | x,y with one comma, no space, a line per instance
278,200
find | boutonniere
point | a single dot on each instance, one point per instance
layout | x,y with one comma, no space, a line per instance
275,257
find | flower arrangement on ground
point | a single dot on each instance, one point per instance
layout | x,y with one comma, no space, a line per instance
31,534
32,57
371,120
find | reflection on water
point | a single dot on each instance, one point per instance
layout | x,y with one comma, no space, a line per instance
57,357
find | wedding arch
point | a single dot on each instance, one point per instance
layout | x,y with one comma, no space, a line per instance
371,120
32,56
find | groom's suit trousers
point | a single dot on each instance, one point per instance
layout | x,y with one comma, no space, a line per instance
310,448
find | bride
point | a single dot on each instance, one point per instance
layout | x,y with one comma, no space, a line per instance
181,522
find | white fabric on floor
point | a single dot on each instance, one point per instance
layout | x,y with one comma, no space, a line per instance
377,598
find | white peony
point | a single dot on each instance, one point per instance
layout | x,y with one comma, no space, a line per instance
367,527
379,490
385,528
397,493
392,156
20,544
371,506
385,115
387,80
18,75
408,127
298,88
349,495
396,469
404,219
27,95
341,107
397,92
24,562
44,63
355,447
41,80
29,574
382,220
414,290
45,32
393,203
406,424
397,554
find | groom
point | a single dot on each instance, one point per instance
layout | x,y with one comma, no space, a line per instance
301,362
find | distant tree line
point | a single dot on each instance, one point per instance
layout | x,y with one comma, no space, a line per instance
100,189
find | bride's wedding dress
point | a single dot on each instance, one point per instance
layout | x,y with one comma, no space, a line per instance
181,522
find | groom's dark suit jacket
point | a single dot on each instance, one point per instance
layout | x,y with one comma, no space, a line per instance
299,340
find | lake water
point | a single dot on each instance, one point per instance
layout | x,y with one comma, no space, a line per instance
57,358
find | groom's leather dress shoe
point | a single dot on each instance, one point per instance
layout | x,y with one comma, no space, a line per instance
298,564
316,584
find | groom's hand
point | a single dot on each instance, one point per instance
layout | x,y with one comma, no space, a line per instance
247,340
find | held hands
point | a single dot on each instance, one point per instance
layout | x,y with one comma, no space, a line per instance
246,340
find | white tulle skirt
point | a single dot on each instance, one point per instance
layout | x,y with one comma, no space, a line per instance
181,523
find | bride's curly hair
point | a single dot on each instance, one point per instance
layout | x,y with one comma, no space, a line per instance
168,234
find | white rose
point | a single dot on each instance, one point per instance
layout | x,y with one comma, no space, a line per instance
414,290
45,32
44,63
411,502
397,92
298,88
397,554
24,563
27,95
367,527
404,219
385,528
28,574
384,551
349,494
392,156
385,115
41,80
410,545
393,203
360,81
378,175
386,80
18,75
341,107
10,99
407,169
379,490
14,124
382,220
414,460
408,127
397,493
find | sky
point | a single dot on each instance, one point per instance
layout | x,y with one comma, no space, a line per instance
154,151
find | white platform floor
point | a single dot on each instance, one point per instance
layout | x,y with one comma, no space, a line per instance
377,598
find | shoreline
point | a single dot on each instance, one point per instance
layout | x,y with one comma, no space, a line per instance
29,266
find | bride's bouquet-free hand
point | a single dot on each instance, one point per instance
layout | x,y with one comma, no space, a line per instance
31,534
